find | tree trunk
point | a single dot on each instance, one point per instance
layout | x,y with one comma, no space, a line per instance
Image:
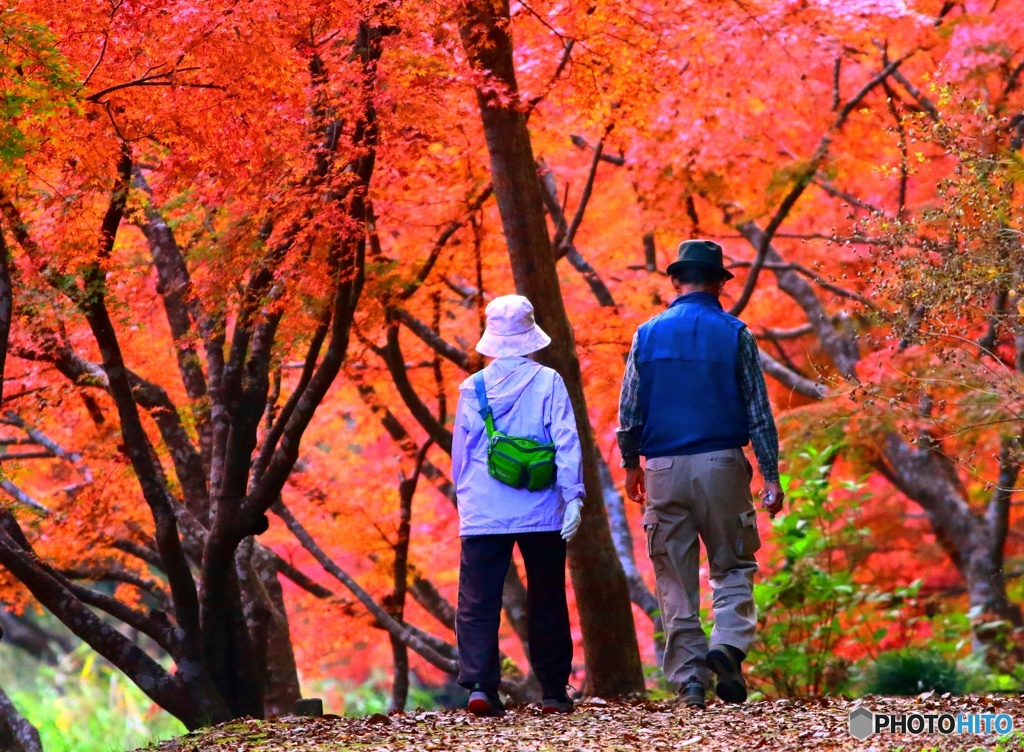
639,593
974,543
6,308
282,678
16,733
602,593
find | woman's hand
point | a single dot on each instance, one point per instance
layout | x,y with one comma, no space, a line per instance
571,519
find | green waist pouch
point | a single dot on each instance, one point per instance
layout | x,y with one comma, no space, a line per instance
516,462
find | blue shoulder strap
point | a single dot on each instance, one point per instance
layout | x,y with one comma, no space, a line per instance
485,408
481,394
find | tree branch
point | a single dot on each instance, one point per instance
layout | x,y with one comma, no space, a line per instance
841,348
549,193
174,285
807,173
277,429
588,188
791,379
450,229
392,354
15,729
399,630
438,344
137,445
103,638
6,308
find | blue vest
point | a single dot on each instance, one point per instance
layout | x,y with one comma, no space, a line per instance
690,394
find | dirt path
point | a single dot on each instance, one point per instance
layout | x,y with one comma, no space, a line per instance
647,727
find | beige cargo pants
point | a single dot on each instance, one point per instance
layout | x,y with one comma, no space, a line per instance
705,495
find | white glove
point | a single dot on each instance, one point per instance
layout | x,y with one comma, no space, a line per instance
571,521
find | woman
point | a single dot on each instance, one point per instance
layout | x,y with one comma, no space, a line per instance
526,400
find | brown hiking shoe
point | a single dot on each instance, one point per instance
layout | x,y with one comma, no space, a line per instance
725,661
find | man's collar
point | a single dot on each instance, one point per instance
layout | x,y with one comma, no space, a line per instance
704,298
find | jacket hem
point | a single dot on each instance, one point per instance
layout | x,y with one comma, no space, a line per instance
546,528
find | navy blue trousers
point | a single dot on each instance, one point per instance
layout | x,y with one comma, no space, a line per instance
484,563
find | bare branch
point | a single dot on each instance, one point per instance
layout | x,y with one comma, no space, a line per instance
550,196
400,435
803,180
836,94
926,104
840,346
588,188
567,45
817,279
399,630
849,198
277,429
155,79
438,344
23,498
450,229
792,333
791,379
392,355
581,143
107,641
14,727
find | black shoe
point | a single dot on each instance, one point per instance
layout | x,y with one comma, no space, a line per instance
692,695
557,704
725,661
483,703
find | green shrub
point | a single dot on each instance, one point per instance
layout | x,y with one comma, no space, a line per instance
83,704
809,606
910,672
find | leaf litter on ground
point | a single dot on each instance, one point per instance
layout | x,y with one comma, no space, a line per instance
765,726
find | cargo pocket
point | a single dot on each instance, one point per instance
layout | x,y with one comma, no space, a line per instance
655,535
658,478
747,539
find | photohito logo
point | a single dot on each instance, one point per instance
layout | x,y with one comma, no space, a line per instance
864,723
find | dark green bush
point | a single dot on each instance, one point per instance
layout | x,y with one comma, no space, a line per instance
910,672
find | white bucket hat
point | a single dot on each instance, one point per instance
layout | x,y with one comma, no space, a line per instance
511,329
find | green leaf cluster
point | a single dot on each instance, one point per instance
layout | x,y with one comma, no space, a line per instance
36,84
810,605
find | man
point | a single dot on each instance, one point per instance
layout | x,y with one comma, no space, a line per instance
692,396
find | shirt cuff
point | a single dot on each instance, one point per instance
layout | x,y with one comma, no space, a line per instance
629,448
573,493
771,475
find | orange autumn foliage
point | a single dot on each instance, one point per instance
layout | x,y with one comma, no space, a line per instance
708,116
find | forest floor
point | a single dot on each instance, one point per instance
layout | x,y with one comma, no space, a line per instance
767,726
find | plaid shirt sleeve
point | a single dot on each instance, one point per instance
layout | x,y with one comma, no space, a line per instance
763,434
630,418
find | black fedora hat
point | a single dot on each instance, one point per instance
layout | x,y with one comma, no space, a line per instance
699,254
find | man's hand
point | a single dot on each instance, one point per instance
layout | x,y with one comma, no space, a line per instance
772,496
635,488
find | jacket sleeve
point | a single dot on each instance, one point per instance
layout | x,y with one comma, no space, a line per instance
566,438
460,433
